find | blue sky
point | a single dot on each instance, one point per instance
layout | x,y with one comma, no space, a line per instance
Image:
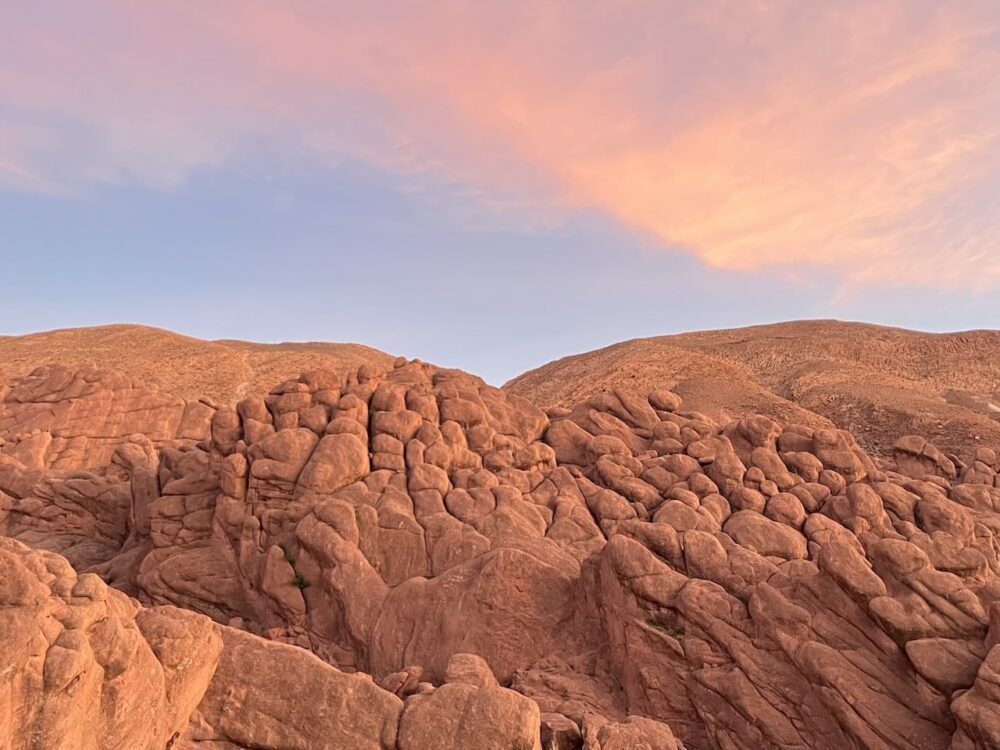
353,255
494,185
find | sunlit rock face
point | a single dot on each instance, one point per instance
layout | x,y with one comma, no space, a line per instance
405,557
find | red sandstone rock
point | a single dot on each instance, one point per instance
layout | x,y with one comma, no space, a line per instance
85,668
622,574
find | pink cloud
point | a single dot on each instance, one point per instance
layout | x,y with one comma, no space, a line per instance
854,138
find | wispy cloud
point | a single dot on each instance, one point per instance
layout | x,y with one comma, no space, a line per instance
857,139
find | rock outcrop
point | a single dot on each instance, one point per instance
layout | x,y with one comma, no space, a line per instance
468,570
83,667
878,383
86,668
222,371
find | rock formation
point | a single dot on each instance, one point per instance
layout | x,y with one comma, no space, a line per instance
405,557
190,368
878,383
87,668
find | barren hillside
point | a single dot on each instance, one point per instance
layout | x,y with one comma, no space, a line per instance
224,371
402,557
879,383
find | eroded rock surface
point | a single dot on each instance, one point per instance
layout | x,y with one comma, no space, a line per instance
83,667
471,570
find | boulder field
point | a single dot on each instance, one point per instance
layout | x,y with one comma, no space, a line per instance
406,558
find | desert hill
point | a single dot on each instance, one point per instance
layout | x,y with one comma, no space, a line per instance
223,371
879,383
402,557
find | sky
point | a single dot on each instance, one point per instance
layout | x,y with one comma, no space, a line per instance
492,185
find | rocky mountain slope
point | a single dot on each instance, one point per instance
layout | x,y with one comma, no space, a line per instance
877,382
403,557
221,371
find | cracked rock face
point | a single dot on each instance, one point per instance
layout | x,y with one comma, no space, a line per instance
408,558
82,666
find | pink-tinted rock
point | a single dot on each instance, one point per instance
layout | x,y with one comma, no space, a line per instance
639,574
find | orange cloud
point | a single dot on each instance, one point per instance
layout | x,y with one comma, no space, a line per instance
853,138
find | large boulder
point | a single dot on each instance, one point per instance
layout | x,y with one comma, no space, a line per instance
85,668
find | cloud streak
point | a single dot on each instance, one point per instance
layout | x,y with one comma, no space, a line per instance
854,140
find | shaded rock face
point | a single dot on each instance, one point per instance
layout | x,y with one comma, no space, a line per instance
469,570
